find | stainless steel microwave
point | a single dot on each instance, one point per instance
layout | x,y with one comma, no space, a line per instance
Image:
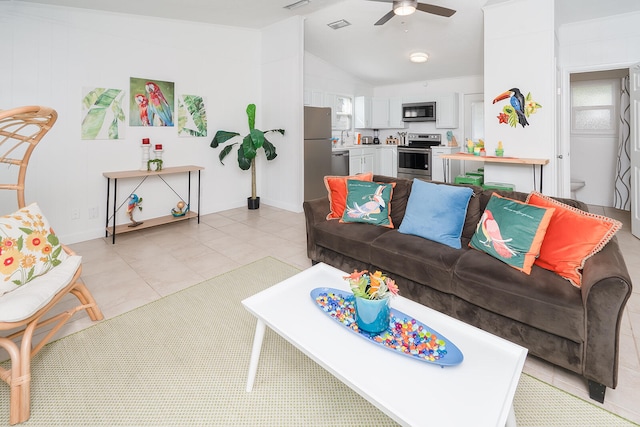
419,112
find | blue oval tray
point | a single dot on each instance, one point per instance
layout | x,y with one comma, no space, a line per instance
405,335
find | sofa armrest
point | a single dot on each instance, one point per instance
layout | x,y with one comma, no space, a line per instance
315,211
606,287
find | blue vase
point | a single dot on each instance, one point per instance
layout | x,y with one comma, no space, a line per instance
372,315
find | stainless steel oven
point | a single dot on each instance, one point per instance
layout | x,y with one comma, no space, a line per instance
414,159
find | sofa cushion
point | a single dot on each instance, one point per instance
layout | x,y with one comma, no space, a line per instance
421,260
436,212
28,247
352,240
512,231
401,193
539,299
573,236
337,192
368,202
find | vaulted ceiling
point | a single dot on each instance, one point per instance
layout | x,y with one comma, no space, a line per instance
377,55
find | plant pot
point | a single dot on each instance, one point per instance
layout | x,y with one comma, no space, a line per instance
373,315
253,203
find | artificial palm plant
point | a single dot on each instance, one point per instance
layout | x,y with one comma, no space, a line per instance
248,149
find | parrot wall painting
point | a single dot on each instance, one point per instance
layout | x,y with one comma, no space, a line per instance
519,109
102,113
192,116
151,102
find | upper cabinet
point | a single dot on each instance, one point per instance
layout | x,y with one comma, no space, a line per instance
362,112
447,106
378,113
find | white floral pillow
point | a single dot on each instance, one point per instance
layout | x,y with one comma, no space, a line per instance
28,248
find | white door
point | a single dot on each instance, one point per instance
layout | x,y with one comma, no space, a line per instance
634,94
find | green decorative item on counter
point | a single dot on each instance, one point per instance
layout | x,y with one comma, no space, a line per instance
247,150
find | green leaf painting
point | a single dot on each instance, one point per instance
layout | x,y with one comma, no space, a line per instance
102,114
192,116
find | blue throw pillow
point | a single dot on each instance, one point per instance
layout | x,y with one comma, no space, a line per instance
436,212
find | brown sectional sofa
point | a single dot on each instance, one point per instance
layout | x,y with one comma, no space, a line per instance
574,328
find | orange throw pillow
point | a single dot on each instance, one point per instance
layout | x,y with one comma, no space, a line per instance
572,237
337,189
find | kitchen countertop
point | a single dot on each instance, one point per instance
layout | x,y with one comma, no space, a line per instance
354,146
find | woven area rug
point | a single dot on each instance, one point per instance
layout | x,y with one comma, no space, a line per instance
183,360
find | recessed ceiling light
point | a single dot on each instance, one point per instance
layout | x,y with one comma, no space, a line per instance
297,4
418,57
336,25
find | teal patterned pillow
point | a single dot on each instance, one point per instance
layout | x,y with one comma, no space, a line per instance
368,202
512,231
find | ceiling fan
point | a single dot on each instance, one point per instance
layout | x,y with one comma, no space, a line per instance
407,7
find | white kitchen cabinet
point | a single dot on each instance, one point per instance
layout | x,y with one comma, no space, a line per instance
361,160
395,114
362,112
438,165
386,161
447,106
380,113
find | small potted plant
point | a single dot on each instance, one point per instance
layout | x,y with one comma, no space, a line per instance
248,150
373,292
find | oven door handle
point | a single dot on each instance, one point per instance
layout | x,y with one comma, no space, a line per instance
413,150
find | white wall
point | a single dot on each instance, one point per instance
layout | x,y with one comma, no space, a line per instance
322,76
521,56
282,86
50,53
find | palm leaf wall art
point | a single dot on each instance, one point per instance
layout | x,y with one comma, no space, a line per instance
192,116
102,114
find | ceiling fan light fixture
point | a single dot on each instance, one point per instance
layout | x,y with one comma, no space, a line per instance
404,7
418,57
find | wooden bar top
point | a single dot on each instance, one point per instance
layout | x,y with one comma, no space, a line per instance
495,159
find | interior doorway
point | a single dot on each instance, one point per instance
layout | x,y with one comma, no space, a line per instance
594,124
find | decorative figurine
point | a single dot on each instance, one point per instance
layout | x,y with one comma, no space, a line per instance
451,139
134,202
180,210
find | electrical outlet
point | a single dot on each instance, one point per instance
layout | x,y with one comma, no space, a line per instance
93,212
75,213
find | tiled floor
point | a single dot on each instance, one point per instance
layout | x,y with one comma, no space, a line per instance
148,264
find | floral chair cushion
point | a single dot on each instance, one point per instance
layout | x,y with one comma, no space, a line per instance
28,248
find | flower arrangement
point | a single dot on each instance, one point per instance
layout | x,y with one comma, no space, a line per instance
374,286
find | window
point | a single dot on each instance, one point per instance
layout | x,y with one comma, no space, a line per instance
594,107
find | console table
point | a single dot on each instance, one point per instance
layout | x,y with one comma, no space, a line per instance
495,159
124,228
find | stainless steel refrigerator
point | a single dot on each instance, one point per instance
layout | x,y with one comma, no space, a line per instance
317,151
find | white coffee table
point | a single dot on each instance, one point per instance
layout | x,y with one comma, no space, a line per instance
478,392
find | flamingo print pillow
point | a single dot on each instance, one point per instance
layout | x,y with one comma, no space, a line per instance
512,231
368,202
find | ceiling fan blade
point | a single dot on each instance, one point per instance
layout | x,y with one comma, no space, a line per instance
385,18
436,10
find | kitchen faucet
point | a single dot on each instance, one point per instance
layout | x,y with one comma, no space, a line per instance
342,136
